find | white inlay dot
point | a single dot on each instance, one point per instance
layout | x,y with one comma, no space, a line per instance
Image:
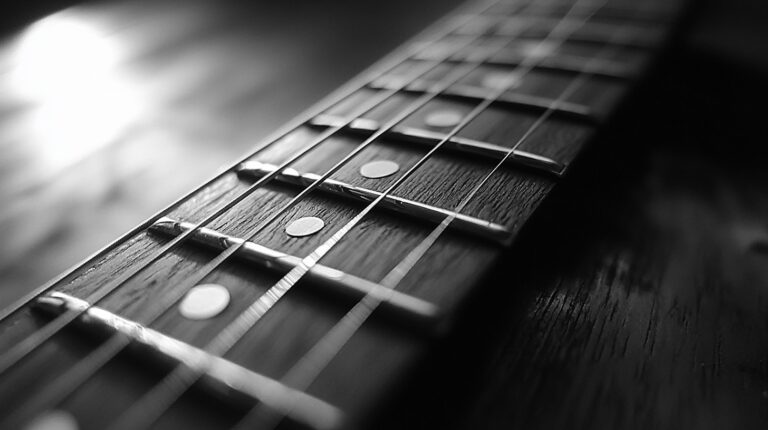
304,226
379,169
204,301
54,420
500,81
443,118
539,49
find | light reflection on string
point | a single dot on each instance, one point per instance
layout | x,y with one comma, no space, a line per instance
66,72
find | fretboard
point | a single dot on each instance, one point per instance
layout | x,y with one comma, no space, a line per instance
343,245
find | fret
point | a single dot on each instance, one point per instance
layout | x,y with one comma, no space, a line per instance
409,309
460,163
535,89
163,282
473,93
506,9
405,73
155,403
609,69
645,12
631,36
536,27
444,47
419,211
256,223
420,83
483,25
455,143
541,86
31,344
547,140
455,47
497,125
591,103
606,52
469,47
471,53
222,376
572,57
308,369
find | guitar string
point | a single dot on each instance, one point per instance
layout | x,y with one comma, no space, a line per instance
301,375
274,295
110,350
21,350
29,344
344,92
151,406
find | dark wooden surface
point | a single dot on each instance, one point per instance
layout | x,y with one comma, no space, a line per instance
638,298
635,299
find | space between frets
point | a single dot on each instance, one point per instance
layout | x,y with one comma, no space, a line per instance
403,308
223,376
455,143
417,210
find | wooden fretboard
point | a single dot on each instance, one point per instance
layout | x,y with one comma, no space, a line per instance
411,180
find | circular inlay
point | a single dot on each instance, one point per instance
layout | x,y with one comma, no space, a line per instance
500,80
304,226
443,118
379,169
539,49
53,420
204,301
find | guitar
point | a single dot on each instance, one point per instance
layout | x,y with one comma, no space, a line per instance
322,280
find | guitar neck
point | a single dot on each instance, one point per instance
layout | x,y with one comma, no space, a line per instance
304,283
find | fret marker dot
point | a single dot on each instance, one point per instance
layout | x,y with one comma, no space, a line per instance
500,80
204,301
304,226
54,420
539,49
443,118
379,169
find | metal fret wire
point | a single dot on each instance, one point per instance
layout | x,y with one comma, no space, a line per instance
89,365
271,296
337,96
113,346
153,404
28,345
308,368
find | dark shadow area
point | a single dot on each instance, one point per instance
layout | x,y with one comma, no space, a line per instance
663,222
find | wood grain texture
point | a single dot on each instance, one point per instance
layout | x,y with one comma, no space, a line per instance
297,323
380,356
637,299
598,93
214,79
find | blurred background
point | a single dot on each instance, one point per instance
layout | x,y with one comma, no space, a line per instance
111,110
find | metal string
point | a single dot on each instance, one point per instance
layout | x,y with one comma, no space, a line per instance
309,367
112,347
29,344
336,97
154,403
182,381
